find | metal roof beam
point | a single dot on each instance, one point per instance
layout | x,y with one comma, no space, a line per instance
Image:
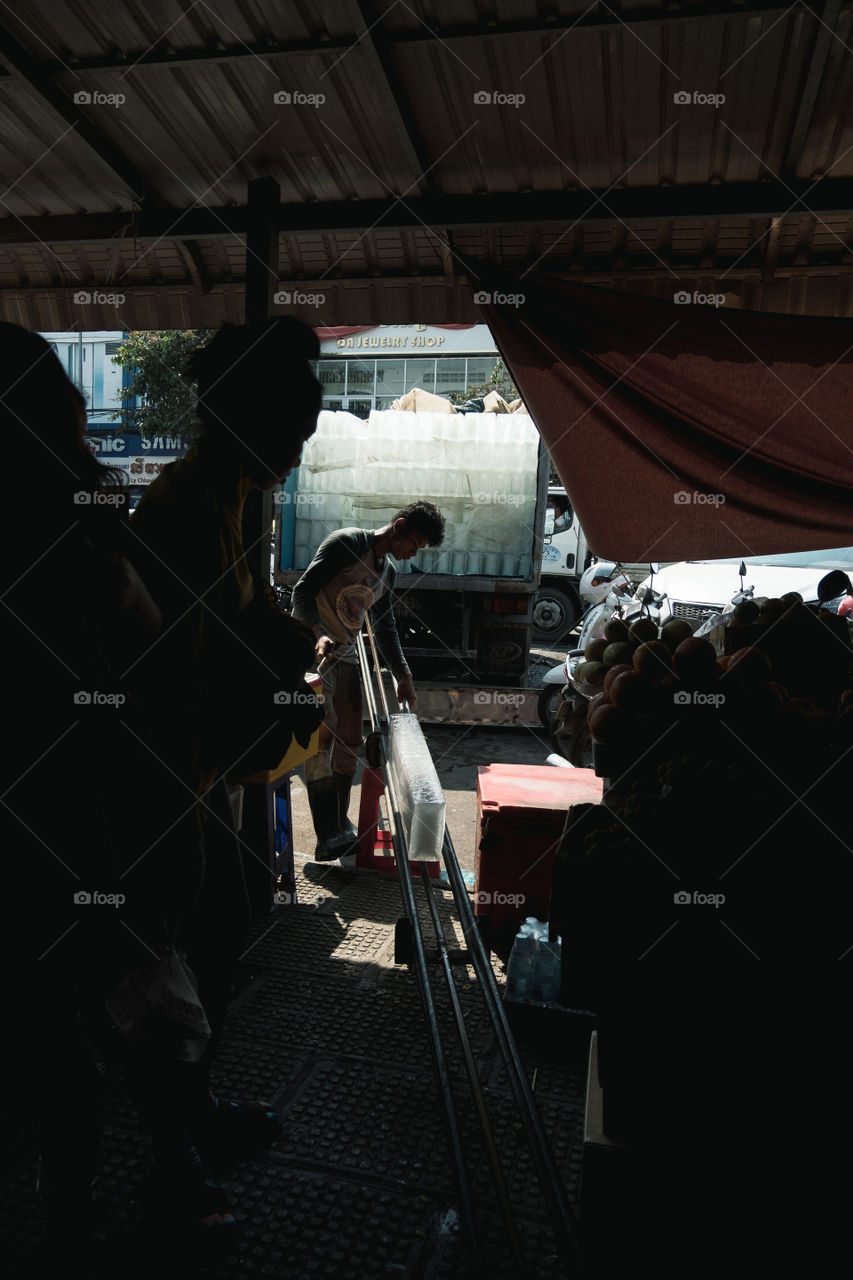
28,69
591,272
824,35
118,60
594,19
631,204
379,44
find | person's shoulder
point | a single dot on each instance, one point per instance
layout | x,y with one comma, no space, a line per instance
173,484
352,533
348,537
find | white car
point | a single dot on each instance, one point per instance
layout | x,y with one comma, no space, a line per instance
697,588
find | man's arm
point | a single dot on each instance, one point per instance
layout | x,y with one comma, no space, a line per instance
388,639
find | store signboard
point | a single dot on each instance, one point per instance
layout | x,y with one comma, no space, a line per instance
140,458
420,338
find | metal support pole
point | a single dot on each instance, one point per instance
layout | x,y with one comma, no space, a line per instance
263,201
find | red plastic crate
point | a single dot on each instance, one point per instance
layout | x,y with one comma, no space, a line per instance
521,812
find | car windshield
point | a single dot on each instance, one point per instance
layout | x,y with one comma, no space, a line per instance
837,558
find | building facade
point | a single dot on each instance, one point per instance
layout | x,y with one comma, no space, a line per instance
369,367
86,358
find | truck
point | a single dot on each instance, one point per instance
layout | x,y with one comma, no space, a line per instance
469,610
557,605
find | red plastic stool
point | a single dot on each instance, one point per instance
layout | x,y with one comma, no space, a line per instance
376,850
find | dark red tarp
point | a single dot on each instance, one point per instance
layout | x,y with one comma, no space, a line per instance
684,431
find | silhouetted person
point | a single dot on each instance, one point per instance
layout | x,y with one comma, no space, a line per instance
221,676
74,615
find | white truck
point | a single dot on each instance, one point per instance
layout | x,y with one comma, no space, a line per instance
557,605
467,611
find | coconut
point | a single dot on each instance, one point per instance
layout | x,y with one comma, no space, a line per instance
618,653
745,612
600,700
631,691
607,723
653,660
594,650
643,629
614,672
695,660
674,631
750,666
615,630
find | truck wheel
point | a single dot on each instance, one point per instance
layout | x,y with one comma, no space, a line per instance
555,612
549,700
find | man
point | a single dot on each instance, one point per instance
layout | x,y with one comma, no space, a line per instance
351,574
562,514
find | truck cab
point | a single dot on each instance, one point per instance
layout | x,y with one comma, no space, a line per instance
565,555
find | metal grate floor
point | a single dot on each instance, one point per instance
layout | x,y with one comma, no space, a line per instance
358,1182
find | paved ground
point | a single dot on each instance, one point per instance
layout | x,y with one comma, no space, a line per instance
359,1184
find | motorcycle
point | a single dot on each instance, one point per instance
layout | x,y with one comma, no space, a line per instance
835,593
563,701
598,580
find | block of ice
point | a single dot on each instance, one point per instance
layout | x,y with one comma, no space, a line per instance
419,793
480,469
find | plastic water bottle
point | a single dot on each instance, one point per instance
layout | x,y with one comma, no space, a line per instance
547,973
521,966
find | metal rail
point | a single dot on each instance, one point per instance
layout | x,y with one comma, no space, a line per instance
460,1172
549,1175
474,1081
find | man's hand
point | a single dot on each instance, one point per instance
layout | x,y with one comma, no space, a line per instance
406,691
323,648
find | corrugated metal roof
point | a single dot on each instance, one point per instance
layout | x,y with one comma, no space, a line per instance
581,159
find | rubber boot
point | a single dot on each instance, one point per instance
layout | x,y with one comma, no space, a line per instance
323,801
343,782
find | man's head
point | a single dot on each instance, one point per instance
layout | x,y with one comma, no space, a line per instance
414,527
258,396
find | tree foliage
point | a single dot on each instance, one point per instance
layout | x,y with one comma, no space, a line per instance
156,360
499,380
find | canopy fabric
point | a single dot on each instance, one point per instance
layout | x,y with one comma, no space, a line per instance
684,431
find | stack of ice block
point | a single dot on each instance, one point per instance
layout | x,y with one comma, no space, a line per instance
419,793
479,469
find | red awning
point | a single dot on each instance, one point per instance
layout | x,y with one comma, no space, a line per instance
324,332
